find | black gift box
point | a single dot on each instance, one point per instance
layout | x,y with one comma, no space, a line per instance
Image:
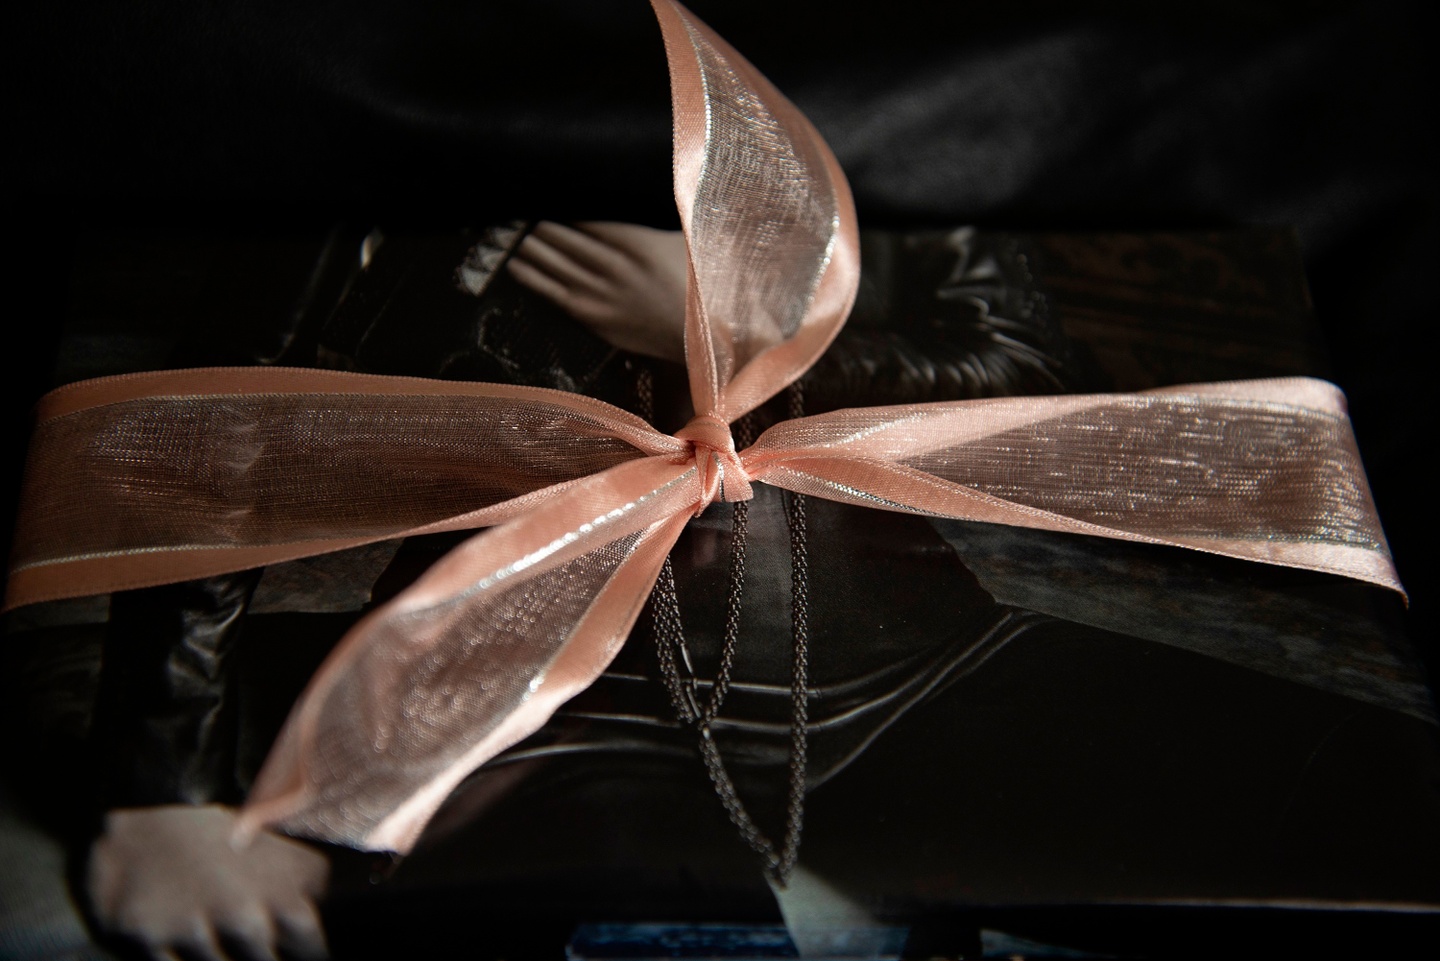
1017,738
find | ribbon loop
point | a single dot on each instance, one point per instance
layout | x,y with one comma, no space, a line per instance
722,476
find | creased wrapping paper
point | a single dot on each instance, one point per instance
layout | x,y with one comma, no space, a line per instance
153,478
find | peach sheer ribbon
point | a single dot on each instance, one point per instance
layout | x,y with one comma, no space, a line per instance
159,477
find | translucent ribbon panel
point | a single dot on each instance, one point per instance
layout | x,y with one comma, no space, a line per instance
473,657
1261,470
768,220
159,477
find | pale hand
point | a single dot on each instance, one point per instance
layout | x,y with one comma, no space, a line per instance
623,281
172,880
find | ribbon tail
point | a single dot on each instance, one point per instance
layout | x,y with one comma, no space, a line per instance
160,477
472,658
1258,470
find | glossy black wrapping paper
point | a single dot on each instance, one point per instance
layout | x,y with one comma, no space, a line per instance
1099,745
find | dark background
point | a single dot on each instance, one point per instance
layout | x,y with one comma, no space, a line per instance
272,118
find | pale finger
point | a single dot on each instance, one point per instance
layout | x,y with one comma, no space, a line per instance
603,253
249,936
541,283
575,276
302,933
197,944
654,253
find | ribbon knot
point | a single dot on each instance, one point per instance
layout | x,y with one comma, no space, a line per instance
722,476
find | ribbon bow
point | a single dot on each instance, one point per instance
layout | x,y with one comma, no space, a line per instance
167,476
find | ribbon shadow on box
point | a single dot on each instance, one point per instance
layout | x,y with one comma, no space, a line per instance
1093,745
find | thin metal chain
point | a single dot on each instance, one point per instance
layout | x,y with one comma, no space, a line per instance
665,612
681,684
744,432
664,602
800,664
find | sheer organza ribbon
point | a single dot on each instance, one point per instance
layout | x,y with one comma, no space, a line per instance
159,477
